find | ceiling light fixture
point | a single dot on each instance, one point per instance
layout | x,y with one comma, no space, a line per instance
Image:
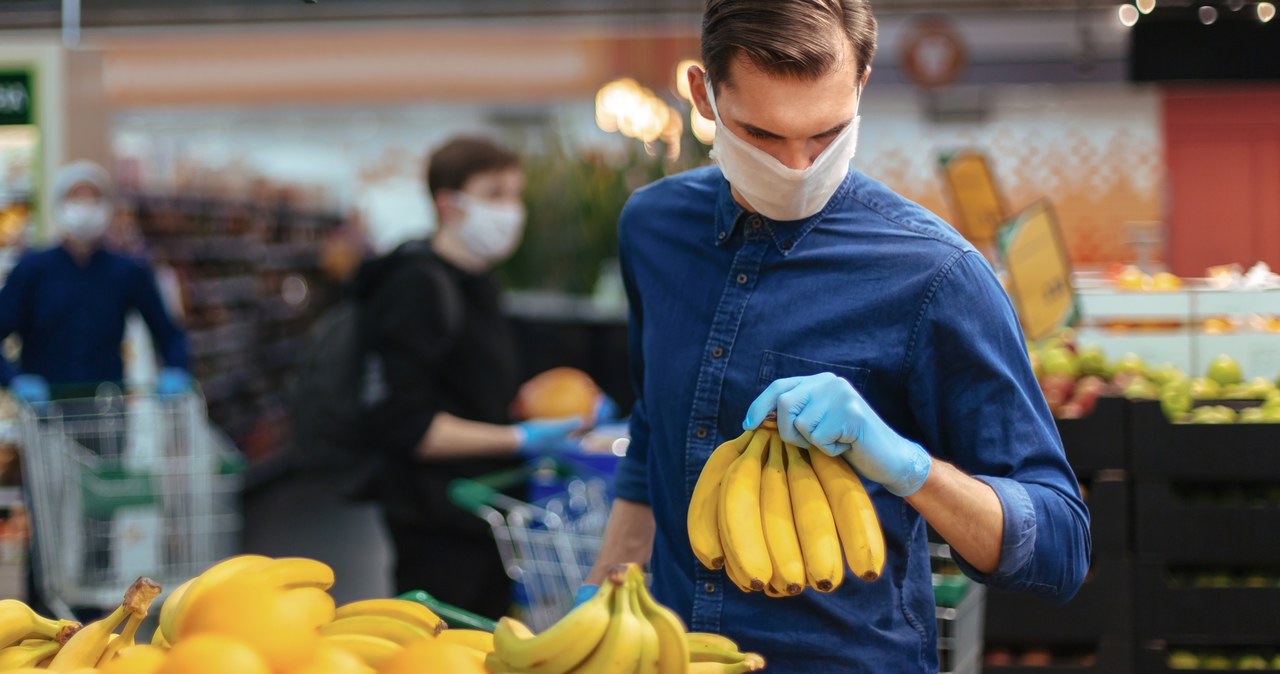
1128,15
1266,11
1208,15
1146,6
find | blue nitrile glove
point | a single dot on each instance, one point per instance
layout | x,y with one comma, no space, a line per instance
29,388
826,412
539,437
173,381
606,409
584,593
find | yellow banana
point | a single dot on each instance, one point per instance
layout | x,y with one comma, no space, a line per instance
779,524
158,640
565,644
710,647
213,576
290,573
649,644
735,574
619,651
19,622
86,648
704,519
815,525
402,609
673,646
478,640
855,516
396,631
169,609
315,603
27,655
741,529
750,663
373,651
125,639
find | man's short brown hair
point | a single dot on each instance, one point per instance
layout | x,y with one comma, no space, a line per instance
451,165
794,38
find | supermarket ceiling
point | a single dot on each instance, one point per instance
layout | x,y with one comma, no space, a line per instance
123,13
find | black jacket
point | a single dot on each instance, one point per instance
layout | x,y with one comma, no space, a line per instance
444,346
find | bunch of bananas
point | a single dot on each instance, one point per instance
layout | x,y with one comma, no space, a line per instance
621,629
776,517
28,639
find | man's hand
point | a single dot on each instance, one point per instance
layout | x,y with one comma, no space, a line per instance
825,412
29,388
541,437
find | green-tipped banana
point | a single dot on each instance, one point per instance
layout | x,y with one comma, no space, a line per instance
27,655
391,629
673,644
562,646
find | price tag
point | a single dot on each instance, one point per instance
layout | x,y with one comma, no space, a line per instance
1039,270
978,208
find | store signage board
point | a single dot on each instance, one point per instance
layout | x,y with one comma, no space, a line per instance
15,98
979,208
1039,270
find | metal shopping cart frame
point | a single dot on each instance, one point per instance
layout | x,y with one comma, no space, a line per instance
547,547
125,485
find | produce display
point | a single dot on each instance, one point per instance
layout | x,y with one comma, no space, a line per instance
778,518
1238,659
620,629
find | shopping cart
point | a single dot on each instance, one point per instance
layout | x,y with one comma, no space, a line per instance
121,486
961,612
547,546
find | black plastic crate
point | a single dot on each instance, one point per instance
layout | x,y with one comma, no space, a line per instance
1171,530
1097,441
1103,608
1176,612
1112,656
1107,497
1154,658
1163,450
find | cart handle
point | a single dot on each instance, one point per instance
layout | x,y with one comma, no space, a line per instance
475,495
453,616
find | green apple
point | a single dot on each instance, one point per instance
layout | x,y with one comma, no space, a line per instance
1174,403
1253,415
1272,400
1225,370
1259,388
1252,661
1166,373
1091,360
1271,414
1182,659
1130,363
1213,414
1203,388
1141,389
1058,360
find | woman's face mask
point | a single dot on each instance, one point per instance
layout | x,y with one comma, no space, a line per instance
491,231
770,187
85,221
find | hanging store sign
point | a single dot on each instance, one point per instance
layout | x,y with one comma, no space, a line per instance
15,98
1039,271
978,207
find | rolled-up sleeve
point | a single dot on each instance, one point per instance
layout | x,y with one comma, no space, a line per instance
978,406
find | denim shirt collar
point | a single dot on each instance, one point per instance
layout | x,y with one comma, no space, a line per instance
787,234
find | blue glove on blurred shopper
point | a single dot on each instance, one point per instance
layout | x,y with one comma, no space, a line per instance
826,412
173,381
29,388
539,437
584,593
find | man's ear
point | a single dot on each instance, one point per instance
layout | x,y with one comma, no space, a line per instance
866,75
697,90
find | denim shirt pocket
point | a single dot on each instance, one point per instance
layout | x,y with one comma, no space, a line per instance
775,365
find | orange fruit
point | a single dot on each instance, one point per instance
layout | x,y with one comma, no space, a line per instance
140,659
213,654
433,656
558,392
259,614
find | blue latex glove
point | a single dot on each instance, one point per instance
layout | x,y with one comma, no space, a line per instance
540,437
584,593
826,412
173,381
29,388
606,410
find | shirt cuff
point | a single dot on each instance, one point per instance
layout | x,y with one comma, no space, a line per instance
1019,541
631,481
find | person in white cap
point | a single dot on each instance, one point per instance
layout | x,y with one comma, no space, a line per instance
68,303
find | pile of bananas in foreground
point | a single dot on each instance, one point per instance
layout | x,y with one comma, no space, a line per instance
245,615
620,629
777,518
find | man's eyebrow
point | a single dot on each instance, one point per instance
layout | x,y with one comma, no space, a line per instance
762,133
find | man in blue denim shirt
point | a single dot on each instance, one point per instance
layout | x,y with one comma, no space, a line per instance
783,281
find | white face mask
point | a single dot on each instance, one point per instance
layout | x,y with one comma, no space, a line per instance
772,188
84,221
490,231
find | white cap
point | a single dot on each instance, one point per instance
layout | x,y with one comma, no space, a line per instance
77,173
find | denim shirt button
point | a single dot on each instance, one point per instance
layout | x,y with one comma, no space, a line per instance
721,235
710,588
742,278
701,432
756,222
717,352
786,245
